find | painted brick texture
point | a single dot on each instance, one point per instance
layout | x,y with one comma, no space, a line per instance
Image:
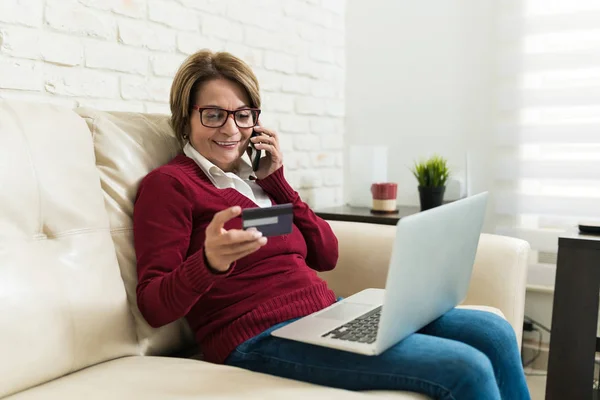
122,55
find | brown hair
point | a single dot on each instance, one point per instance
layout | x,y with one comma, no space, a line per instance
200,67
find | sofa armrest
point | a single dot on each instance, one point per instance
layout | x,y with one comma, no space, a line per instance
500,277
498,280
364,255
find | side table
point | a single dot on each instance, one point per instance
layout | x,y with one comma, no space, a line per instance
364,214
573,342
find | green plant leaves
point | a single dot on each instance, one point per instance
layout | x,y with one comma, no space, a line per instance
433,172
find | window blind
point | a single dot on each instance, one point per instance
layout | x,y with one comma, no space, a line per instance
547,137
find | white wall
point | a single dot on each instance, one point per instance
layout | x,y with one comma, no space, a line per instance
418,80
122,54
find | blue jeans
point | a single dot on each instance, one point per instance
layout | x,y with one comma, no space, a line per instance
463,355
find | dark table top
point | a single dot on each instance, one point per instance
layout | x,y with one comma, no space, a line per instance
576,239
364,214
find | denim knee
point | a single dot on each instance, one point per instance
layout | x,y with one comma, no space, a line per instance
500,330
475,377
505,330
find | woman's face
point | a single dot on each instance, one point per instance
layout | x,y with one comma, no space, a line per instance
225,145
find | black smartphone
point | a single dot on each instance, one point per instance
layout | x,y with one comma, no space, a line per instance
254,153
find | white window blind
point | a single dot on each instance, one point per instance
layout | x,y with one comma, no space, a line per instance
547,171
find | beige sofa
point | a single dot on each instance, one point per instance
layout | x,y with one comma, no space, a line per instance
69,325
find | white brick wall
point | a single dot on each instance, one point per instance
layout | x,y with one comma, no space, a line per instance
122,55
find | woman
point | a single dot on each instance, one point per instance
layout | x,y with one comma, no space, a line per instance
234,287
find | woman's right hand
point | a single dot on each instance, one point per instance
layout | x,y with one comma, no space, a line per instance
222,247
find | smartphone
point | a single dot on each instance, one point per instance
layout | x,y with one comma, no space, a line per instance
254,153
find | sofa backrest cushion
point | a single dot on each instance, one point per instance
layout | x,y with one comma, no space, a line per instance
128,146
63,305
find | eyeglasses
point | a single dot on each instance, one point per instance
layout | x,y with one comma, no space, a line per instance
214,117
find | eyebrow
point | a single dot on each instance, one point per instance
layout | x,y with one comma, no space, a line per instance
216,106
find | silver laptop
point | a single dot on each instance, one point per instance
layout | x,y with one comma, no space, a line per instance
429,274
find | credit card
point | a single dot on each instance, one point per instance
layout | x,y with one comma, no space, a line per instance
271,221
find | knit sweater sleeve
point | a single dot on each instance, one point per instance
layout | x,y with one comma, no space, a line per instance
321,242
169,284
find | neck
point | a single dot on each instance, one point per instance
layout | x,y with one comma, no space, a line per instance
233,167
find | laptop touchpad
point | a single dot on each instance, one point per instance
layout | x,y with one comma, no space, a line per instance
346,311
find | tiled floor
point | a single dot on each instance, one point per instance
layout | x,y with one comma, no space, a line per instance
537,385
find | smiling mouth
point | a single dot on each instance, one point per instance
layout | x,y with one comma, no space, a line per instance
226,145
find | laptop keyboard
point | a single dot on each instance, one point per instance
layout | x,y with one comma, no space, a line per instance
362,329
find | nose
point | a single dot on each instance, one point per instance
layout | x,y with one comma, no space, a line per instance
230,128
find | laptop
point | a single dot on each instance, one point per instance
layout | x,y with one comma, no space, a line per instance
429,273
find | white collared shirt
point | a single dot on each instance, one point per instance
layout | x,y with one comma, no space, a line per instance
223,180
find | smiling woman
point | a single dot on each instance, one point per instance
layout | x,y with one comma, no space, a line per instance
194,258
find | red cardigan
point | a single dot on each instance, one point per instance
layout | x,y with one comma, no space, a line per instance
174,204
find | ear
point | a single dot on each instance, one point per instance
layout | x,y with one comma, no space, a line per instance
187,130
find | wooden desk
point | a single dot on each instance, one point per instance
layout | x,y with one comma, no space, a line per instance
364,214
574,319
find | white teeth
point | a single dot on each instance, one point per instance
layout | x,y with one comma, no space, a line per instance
226,143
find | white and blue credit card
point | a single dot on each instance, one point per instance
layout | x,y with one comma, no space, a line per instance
271,221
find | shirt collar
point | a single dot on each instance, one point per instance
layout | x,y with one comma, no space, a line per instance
206,166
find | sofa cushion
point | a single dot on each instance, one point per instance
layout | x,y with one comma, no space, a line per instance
128,146
159,378
62,302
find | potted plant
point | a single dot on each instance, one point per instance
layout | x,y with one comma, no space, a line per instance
432,175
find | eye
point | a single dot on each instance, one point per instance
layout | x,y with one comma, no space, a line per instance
245,114
213,114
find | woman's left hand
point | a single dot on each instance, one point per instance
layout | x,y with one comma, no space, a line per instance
268,141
